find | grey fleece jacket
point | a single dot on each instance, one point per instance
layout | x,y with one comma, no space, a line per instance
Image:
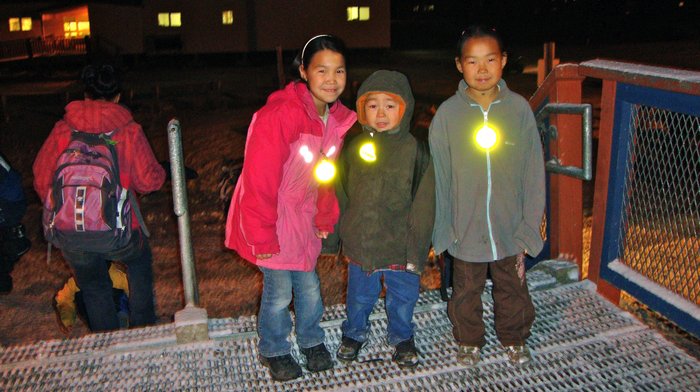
381,223
489,204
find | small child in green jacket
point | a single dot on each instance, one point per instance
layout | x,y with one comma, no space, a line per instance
387,215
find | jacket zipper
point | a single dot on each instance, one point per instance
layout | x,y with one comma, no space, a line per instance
489,184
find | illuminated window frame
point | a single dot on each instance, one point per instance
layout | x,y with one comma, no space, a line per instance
14,24
358,14
75,28
170,19
227,17
26,24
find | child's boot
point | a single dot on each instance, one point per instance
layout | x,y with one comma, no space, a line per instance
468,356
519,355
317,358
282,368
406,354
348,350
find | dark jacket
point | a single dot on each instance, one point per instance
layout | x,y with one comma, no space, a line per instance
489,205
381,223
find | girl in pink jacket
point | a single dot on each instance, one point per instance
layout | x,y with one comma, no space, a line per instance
280,211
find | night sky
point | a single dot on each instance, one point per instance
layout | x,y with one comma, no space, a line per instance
536,21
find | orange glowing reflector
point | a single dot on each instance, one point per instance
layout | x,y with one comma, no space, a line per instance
486,137
324,171
367,152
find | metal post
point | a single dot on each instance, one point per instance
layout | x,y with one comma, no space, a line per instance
191,322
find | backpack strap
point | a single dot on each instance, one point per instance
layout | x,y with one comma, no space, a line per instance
420,165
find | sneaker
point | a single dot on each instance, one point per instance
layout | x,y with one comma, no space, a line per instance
406,354
348,350
518,355
282,368
317,358
468,356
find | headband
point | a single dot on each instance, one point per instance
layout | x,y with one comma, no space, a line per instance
307,44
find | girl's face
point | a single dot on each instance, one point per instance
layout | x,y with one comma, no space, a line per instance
325,75
481,65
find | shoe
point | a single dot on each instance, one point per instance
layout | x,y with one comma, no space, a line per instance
317,358
406,354
282,368
518,355
468,356
348,350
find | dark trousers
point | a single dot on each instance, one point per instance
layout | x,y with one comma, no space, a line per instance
514,312
91,271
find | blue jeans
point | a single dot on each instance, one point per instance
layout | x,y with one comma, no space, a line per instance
363,291
91,271
274,319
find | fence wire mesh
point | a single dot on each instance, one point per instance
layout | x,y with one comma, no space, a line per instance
661,208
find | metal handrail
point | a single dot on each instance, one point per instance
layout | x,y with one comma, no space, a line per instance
554,164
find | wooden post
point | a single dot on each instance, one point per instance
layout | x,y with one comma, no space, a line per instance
546,64
566,193
280,67
600,197
549,49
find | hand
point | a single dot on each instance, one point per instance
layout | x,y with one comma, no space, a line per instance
321,234
520,266
264,256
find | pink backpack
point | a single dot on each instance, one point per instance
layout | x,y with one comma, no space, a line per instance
87,209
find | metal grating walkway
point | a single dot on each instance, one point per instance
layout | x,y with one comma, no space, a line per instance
580,342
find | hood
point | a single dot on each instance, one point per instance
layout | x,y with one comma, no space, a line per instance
393,83
96,116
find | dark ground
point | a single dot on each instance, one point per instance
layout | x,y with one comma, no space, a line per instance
214,103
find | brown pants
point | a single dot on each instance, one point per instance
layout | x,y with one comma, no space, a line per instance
514,312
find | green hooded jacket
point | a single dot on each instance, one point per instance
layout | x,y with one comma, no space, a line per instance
382,223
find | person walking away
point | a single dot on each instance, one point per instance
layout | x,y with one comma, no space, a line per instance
387,216
100,116
279,212
490,191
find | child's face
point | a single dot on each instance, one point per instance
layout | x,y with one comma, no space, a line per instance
382,112
481,64
326,77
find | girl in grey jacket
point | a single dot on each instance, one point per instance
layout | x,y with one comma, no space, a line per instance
490,196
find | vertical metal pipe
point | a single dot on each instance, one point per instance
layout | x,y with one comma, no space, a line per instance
177,170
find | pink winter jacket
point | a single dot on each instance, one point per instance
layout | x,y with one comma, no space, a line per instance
278,205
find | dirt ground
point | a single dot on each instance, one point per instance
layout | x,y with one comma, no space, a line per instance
214,104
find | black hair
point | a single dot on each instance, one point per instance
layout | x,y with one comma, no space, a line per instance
317,44
479,31
101,81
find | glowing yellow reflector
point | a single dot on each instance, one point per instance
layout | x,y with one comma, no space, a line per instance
367,152
325,171
486,137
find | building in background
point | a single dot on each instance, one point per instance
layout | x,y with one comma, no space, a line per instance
187,27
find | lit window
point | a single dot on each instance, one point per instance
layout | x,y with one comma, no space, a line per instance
227,17
353,13
26,24
364,13
175,19
14,24
169,19
358,13
75,28
163,19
